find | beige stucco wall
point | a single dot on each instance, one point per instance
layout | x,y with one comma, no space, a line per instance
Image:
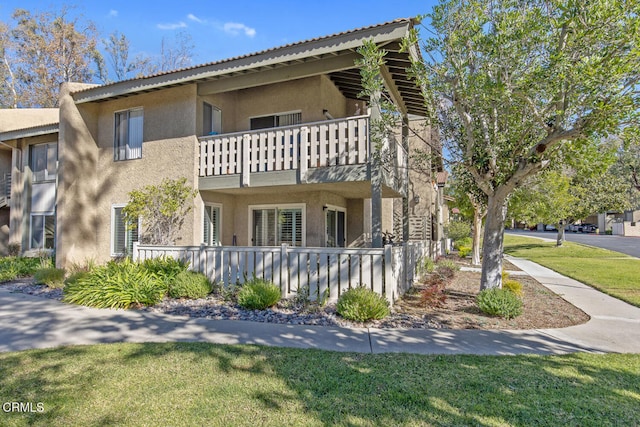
309,95
171,158
92,181
77,180
169,151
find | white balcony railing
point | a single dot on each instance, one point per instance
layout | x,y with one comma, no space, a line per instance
309,145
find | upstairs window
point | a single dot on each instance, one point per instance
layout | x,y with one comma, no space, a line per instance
276,120
44,162
211,120
128,134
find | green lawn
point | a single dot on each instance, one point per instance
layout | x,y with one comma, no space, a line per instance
611,272
189,384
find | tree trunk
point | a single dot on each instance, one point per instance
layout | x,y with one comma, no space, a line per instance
560,238
477,234
493,245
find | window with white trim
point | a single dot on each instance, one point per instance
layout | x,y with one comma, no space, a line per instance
123,234
43,231
43,162
272,226
128,134
211,224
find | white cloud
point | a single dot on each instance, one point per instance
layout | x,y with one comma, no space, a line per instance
173,26
113,13
194,18
235,28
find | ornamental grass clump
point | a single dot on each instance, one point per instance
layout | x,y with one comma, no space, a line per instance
499,302
190,284
258,294
52,277
165,267
12,268
116,285
362,304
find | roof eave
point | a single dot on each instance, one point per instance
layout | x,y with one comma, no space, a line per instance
316,48
30,132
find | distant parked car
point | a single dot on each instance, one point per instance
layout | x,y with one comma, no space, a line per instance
572,227
588,228
550,227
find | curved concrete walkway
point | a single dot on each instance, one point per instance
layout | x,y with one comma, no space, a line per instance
33,322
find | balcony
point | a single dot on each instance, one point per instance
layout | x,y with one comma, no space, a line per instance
322,152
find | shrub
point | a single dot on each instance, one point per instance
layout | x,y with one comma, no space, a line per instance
434,294
447,263
12,268
499,302
513,286
426,266
115,285
362,304
75,276
52,277
165,267
465,241
457,230
258,294
464,251
189,284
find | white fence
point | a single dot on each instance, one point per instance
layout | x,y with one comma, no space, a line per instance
325,272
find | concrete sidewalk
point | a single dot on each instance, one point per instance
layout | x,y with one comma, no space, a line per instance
33,322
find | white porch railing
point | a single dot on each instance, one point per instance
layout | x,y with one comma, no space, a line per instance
325,272
309,145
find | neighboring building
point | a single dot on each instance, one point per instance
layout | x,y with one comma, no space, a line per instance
276,143
28,156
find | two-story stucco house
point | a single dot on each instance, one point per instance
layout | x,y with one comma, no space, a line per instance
276,143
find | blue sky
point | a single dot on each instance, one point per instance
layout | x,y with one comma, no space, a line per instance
226,29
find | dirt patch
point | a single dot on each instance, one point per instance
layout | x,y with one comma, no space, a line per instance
542,308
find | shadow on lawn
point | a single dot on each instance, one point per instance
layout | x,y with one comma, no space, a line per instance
339,388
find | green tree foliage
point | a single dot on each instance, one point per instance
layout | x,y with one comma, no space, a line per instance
627,166
162,209
583,186
517,86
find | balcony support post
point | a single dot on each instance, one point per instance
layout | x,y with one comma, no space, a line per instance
405,179
304,156
376,172
246,166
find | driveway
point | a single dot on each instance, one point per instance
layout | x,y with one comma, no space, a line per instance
625,245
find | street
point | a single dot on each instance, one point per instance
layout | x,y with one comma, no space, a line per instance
626,245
